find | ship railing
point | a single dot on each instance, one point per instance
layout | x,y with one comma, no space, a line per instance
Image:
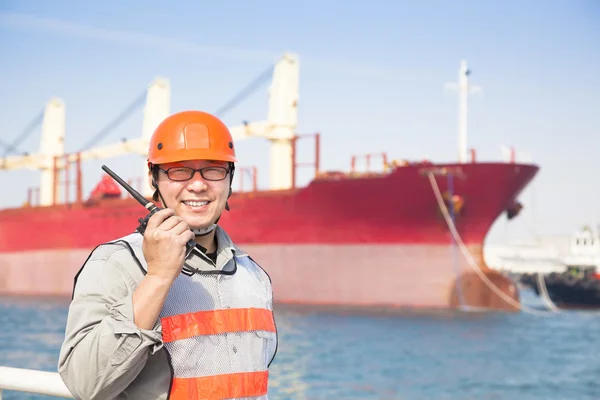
368,158
33,381
252,173
317,152
68,180
33,196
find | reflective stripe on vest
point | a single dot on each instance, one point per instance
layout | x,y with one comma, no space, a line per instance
184,326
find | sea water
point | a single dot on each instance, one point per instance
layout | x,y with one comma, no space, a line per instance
328,355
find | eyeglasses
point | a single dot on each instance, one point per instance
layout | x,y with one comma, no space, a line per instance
180,174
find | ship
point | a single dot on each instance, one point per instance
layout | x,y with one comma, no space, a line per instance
407,235
577,286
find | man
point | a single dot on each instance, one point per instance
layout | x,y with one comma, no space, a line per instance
145,322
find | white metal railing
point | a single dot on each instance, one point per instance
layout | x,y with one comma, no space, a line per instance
33,381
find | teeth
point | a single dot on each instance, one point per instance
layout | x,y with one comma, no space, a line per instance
196,203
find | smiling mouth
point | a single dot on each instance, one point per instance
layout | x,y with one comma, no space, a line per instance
195,203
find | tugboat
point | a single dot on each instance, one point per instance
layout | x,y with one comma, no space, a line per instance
578,287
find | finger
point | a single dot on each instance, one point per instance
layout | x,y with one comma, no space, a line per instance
187,235
158,218
169,223
180,228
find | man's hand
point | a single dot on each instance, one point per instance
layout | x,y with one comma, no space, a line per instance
164,244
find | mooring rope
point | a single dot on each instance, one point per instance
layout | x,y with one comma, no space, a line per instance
470,260
544,293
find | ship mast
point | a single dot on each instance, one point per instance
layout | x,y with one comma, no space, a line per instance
464,89
157,108
283,120
52,144
463,95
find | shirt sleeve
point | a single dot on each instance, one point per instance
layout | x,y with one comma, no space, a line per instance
104,350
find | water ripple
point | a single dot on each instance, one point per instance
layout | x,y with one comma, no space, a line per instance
335,356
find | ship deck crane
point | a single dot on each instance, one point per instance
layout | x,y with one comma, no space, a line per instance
279,128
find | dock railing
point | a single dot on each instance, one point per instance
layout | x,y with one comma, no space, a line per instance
33,381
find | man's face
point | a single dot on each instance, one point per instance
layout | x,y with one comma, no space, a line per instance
198,201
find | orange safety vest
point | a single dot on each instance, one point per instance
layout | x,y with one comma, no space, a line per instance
220,334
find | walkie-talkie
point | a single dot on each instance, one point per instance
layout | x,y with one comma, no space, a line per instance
190,245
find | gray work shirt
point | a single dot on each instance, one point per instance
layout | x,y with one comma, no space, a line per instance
104,354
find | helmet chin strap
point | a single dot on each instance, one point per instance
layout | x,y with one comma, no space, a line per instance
204,231
207,230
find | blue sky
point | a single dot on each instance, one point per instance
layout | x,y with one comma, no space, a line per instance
371,79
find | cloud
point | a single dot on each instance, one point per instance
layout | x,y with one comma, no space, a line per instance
55,26
61,27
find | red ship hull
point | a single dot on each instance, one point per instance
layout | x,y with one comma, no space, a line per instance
366,241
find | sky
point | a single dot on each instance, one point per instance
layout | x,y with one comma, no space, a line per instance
372,78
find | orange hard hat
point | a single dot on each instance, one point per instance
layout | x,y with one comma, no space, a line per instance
191,135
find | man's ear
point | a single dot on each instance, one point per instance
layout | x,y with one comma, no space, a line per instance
151,181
